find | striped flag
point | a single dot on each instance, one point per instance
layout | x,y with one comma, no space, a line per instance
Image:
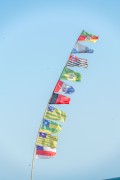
45,152
54,114
75,61
47,140
50,127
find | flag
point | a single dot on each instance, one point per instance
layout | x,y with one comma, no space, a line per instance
62,87
59,99
75,61
84,36
50,127
74,58
45,152
48,140
79,48
54,114
70,75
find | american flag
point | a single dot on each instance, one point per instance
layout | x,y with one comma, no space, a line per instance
75,61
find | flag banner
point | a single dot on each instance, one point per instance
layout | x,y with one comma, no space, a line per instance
74,61
59,99
45,152
62,87
47,140
54,114
50,127
47,137
70,75
84,36
79,48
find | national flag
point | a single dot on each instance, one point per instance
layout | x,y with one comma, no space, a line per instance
59,99
70,75
79,48
45,152
75,61
62,87
54,114
48,140
50,127
73,58
84,36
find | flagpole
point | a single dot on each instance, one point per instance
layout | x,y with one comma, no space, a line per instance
33,159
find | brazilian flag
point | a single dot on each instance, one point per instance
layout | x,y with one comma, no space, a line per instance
70,75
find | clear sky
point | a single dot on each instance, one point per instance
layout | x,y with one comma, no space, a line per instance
36,38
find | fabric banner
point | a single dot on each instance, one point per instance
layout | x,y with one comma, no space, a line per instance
59,99
50,127
62,87
74,61
45,152
54,114
79,48
84,36
70,75
47,140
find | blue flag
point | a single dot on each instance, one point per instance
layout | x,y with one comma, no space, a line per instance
79,48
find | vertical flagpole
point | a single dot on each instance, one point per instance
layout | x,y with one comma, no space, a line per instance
33,159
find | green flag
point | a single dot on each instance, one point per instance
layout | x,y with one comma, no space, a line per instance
70,75
54,114
50,127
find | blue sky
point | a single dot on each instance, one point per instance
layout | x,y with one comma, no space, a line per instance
36,38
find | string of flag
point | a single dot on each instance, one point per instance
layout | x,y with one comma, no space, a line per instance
46,141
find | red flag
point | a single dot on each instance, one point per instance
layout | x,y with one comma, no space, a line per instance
42,152
59,99
62,87
85,36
